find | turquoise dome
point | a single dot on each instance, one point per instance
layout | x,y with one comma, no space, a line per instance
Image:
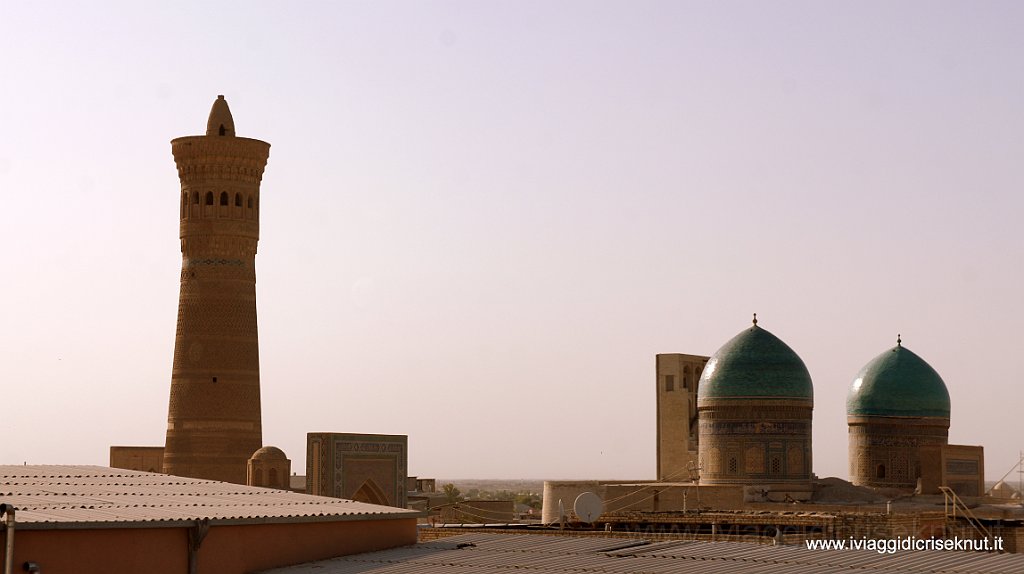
755,364
898,383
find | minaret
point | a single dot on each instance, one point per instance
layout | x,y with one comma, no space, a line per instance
213,420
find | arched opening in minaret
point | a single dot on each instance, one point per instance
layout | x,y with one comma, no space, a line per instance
223,198
238,200
195,197
209,198
222,130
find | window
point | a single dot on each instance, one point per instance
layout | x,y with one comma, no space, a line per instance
776,465
880,471
238,200
250,202
195,197
209,198
223,198
670,382
733,465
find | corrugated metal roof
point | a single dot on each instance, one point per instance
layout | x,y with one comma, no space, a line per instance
88,496
489,552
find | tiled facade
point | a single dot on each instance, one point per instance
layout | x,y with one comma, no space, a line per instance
887,452
363,467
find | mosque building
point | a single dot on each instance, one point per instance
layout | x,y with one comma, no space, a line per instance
734,435
754,403
897,404
741,417
898,412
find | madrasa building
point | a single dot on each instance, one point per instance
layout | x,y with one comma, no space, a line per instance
734,435
754,404
739,425
898,412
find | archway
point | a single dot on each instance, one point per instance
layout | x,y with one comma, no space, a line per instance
371,493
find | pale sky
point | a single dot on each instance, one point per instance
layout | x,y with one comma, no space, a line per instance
482,220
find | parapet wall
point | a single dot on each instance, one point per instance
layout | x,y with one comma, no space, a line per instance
638,496
566,491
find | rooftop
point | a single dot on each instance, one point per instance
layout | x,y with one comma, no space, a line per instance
488,552
59,496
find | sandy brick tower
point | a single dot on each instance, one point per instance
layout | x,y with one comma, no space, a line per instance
213,420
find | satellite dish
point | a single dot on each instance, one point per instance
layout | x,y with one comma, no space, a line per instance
588,507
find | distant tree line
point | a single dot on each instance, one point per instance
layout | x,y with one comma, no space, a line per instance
532,499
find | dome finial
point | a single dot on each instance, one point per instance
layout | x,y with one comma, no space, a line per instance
899,341
755,319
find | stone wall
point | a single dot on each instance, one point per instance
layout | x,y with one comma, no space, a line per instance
751,441
959,467
144,458
887,452
676,391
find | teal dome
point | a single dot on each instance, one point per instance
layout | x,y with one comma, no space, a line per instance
755,364
898,383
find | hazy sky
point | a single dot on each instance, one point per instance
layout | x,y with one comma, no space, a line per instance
482,220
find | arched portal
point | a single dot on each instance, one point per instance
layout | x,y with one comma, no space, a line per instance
371,492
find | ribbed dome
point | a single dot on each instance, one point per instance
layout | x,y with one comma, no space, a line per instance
755,364
898,383
269,453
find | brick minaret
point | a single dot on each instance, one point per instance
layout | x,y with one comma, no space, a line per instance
213,421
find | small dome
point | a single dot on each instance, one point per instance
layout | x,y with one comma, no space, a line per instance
898,383
755,364
269,453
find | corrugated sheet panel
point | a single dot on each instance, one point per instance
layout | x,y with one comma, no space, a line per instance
94,494
493,553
